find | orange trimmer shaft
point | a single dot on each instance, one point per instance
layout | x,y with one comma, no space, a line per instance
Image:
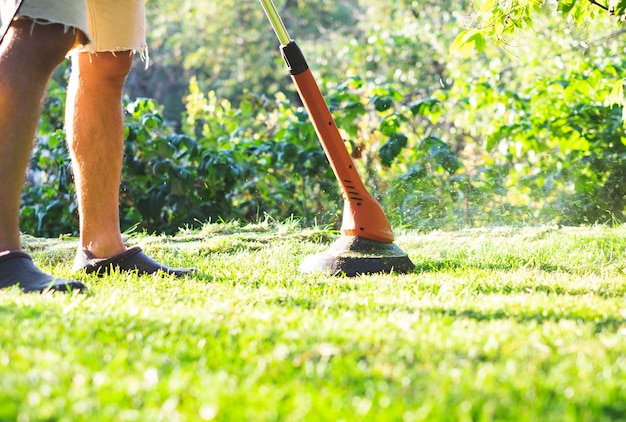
362,216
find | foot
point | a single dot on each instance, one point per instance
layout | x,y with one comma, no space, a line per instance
17,269
132,259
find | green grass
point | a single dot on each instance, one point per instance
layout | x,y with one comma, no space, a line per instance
495,324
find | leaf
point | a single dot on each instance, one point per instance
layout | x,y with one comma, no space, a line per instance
392,148
425,107
382,103
390,124
441,153
468,42
566,6
616,97
620,8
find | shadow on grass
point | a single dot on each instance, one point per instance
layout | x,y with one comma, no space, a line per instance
600,323
507,263
541,317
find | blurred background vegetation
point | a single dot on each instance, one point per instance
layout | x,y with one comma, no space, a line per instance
451,121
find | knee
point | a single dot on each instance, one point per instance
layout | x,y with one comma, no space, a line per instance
105,67
46,44
56,42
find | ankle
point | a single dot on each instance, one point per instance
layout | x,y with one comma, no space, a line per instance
6,248
105,250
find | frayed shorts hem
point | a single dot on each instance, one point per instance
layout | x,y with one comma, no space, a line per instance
101,26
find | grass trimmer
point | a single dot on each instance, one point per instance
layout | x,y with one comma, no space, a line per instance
366,243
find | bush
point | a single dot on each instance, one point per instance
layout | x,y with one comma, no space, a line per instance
443,141
262,158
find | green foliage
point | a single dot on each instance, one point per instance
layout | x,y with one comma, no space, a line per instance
583,160
229,163
227,46
502,21
557,127
169,180
284,170
528,129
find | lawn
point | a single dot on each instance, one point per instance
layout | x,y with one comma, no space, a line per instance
511,324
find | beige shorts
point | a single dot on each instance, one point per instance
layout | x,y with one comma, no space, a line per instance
104,25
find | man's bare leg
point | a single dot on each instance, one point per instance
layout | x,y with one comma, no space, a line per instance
95,130
27,61
95,133
28,55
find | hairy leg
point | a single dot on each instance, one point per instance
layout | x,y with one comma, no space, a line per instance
28,56
95,130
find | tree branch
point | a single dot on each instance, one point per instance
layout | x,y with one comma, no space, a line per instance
594,2
614,34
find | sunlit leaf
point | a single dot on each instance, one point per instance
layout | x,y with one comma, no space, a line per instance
616,97
468,42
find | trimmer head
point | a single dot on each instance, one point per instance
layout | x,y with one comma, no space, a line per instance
353,256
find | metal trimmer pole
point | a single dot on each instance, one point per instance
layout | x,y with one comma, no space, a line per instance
276,22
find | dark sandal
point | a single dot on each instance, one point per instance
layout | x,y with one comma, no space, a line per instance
132,259
18,269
